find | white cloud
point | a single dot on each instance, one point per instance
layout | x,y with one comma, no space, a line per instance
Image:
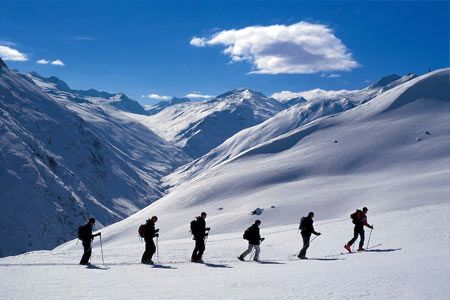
196,95
58,62
312,95
11,54
42,61
298,48
156,97
333,75
198,42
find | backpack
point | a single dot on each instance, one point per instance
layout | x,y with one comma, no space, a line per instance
302,225
194,226
246,234
356,216
141,231
82,233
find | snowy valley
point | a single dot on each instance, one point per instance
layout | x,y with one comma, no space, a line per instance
69,154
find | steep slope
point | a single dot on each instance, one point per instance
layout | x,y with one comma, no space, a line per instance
198,127
281,123
57,168
301,111
60,90
390,153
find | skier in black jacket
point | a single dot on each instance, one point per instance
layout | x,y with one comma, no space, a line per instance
149,233
86,239
307,228
254,240
200,232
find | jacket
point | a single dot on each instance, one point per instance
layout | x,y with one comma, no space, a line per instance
253,235
150,231
308,227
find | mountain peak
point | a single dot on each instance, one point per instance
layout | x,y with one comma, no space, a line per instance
58,83
239,93
384,81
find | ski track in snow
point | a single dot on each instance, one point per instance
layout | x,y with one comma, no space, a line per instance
411,263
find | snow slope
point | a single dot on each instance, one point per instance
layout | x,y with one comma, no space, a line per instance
411,263
391,153
281,123
301,111
198,127
57,167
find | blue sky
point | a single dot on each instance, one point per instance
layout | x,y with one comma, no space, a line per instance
168,48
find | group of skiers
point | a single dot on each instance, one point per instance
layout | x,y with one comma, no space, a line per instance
200,234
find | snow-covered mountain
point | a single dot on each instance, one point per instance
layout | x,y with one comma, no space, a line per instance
198,127
388,154
285,121
154,109
63,161
302,111
60,90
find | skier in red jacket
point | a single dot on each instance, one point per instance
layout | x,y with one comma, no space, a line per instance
360,220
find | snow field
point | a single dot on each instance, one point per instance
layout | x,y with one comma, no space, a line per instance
411,263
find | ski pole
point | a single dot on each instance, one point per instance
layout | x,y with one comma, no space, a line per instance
207,235
368,241
157,249
101,248
313,239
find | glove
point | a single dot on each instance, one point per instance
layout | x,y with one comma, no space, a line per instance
318,233
157,230
157,235
262,239
371,227
208,228
206,234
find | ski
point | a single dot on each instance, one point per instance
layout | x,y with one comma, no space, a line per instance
345,253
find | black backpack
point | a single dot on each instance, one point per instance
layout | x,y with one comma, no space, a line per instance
302,224
82,234
141,231
246,234
194,226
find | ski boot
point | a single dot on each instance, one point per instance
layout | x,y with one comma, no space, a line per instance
347,247
361,249
241,258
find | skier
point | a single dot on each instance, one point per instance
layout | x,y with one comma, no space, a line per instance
200,232
307,228
254,240
360,220
149,233
86,237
